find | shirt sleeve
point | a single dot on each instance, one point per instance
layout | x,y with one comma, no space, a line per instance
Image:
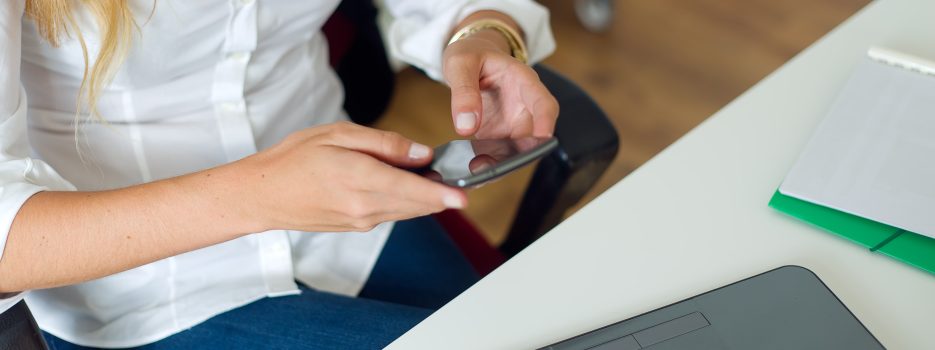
20,175
420,29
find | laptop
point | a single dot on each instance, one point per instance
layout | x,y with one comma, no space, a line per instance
785,308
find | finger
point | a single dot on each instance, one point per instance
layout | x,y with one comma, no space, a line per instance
433,175
389,193
527,143
463,75
543,107
389,147
430,195
404,210
480,163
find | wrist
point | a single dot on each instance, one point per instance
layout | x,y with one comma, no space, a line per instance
494,39
222,197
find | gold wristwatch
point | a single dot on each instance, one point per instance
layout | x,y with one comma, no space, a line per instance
517,47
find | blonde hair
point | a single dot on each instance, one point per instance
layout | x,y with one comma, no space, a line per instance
54,20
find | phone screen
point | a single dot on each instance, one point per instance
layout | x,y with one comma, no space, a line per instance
469,163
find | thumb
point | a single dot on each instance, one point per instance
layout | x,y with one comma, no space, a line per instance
466,106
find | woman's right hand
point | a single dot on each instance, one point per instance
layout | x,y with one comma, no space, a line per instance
339,177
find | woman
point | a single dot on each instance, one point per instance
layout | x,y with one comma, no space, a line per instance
208,169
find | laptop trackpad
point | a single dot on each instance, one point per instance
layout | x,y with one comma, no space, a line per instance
658,333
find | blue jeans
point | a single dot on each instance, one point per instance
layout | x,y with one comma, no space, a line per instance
419,270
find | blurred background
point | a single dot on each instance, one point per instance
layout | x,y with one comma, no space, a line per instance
657,67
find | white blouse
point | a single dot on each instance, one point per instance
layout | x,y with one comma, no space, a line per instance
206,82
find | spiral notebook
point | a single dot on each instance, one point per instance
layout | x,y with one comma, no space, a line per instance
868,172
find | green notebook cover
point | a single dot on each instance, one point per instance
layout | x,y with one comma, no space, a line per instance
911,248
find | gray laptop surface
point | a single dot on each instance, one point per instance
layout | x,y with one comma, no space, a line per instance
785,308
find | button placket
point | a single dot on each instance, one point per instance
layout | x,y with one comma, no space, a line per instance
237,137
276,259
227,93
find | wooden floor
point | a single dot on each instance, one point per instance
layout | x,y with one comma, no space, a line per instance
662,68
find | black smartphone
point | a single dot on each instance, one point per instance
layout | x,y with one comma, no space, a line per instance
471,163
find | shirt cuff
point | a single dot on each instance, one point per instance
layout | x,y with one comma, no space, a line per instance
12,197
20,176
420,42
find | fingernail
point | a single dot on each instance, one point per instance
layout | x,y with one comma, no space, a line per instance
465,121
418,151
453,202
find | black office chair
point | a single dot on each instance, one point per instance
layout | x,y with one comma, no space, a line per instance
588,144
18,329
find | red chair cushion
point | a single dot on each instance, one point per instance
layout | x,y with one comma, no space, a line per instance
484,257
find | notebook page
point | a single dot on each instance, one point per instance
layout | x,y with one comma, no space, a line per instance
874,153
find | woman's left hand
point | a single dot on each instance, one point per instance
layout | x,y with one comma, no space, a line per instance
494,95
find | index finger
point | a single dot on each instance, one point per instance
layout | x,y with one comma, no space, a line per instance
463,77
387,146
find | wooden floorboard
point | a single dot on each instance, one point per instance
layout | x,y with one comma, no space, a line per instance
662,68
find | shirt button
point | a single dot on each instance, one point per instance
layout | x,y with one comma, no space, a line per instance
229,106
279,248
238,56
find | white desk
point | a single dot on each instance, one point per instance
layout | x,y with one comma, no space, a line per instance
695,218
